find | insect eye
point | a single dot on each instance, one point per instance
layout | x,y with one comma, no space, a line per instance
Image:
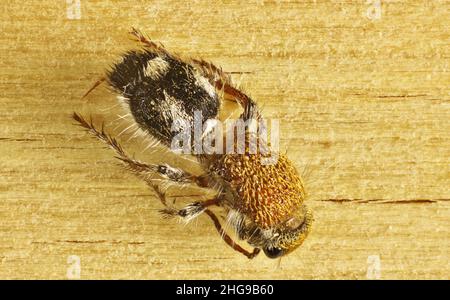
273,252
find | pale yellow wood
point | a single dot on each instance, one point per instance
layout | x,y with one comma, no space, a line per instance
364,104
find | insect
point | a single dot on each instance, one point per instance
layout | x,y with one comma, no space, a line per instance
263,203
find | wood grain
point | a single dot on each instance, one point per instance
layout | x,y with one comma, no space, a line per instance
363,103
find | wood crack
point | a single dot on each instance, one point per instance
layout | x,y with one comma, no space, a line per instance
386,201
18,140
91,242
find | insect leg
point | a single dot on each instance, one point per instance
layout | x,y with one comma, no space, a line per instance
222,81
148,42
211,71
228,239
141,169
190,211
173,174
193,210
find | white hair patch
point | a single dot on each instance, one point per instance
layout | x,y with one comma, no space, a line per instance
204,84
156,68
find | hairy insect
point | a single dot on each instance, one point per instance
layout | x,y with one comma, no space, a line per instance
263,202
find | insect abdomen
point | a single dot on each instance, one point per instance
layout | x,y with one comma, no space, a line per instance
160,89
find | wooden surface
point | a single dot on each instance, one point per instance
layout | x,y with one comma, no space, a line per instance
363,104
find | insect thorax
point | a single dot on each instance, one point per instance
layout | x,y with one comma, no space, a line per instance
267,194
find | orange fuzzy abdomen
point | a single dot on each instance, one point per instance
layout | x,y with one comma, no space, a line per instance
268,194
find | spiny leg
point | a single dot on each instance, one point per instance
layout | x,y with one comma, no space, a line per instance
193,210
148,42
222,81
161,195
228,239
211,71
141,169
190,211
